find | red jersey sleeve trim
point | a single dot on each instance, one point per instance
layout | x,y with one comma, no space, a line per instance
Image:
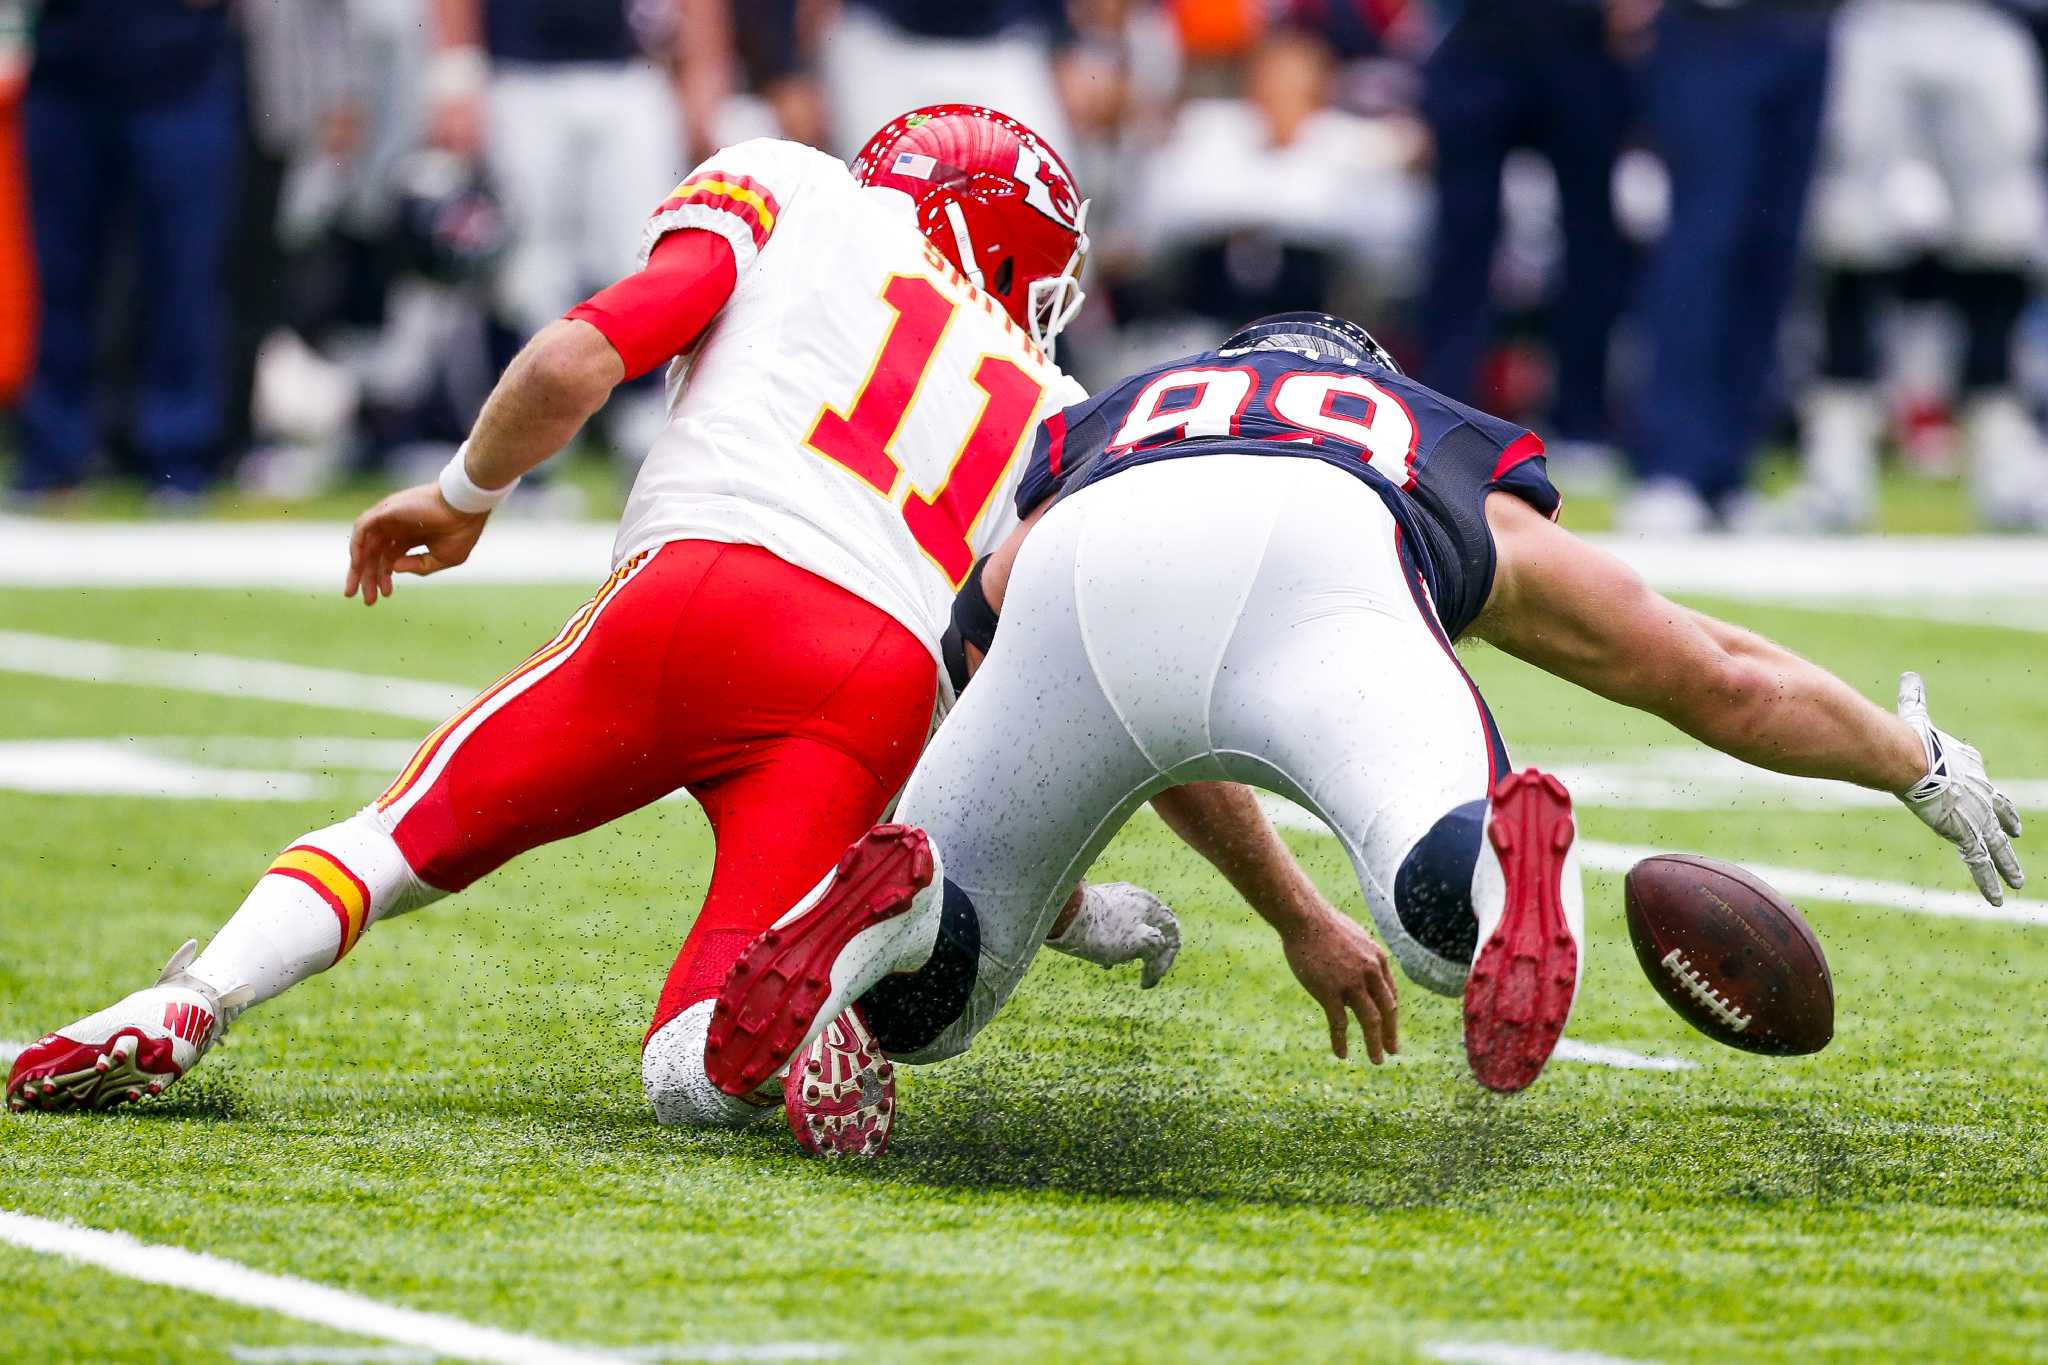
654,315
1527,446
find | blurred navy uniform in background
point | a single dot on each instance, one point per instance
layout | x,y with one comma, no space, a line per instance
1733,95
1537,74
132,119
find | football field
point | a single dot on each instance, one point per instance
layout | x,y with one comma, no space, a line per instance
451,1123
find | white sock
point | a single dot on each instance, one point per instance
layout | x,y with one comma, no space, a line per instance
310,907
672,1073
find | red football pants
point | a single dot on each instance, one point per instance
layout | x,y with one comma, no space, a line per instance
790,708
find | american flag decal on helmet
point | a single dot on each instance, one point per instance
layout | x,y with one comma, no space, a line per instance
913,165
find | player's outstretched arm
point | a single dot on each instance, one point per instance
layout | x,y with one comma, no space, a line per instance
1335,960
547,393
1578,612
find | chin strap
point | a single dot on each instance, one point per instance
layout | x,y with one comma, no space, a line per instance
962,243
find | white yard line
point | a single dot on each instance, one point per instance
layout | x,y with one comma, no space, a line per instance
1507,1353
312,555
224,675
9,1051
112,767
1801,884
269,680
1599,1054
406,1355
1798,883
294,1298
307,556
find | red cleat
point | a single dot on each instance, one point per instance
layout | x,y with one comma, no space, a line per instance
133,1050
840,1092
855,929
1526,970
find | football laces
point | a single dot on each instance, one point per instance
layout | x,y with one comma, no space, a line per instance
1719,1005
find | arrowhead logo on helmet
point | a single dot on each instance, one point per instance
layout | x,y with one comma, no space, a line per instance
996,201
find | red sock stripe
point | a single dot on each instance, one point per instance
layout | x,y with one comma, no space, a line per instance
338,865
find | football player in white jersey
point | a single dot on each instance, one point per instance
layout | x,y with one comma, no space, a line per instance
856,358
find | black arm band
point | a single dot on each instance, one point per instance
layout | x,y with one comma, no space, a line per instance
974,623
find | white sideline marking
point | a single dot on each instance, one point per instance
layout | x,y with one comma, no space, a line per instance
9,1051
103,767
35,552
1801,884
224,675
1676,778
1599,1054
294,1298
1796,882
1507,1353
303,555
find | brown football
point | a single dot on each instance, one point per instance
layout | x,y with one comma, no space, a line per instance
1730,954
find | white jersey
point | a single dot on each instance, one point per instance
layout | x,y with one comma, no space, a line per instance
858,407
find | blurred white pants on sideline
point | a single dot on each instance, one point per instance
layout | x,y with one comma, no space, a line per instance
581,154
1933,137
874,71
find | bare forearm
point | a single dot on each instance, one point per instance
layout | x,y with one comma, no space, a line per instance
1780,711
458,23
1222,822
551,388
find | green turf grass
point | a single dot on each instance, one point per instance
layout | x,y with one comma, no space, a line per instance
452,1120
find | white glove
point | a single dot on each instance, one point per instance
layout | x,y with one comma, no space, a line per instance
1119,922
1957,800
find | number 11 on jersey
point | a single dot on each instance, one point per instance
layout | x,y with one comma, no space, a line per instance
860,437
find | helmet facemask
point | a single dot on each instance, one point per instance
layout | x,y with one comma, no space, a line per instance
1054,300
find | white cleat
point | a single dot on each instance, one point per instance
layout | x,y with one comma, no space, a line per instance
129,1051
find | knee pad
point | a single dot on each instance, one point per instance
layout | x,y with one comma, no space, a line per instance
1433,891
908,1012
672,1075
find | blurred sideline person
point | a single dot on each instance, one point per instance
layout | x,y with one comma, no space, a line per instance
1940,96
1250,566
1270,200
864,352
133,117
1509,74
880,55
579,129
17,260
1733,95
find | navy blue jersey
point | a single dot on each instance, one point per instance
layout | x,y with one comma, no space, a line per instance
559,31
1431,460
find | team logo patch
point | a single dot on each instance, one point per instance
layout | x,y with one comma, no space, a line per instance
1046,187
190,1022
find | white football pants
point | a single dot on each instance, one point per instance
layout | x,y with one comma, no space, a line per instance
873,71
1934,136
581,154
1218,617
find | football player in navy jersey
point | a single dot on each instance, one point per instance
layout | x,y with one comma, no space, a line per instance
1248,567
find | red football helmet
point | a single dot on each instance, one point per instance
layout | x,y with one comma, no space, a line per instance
995,200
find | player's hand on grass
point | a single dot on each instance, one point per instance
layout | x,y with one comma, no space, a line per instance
1341,967
413,531
1957,800
1118,922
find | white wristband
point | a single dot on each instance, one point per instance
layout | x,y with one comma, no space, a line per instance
465,494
